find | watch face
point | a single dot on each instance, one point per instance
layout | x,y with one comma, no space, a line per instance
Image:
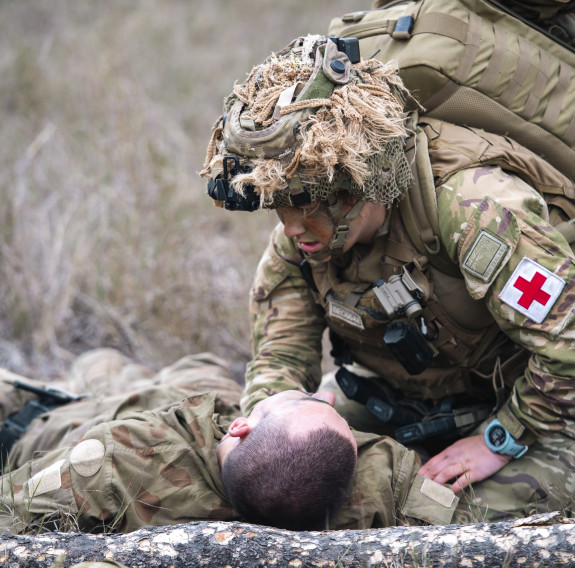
497,435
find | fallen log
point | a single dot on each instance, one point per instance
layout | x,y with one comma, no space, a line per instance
541,540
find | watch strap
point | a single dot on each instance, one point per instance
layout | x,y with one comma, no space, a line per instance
509,447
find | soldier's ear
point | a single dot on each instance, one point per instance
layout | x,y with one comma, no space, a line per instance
239,428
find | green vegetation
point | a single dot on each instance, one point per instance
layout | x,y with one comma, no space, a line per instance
106,235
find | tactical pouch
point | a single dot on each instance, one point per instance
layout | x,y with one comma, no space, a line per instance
457,422
409,348
413,420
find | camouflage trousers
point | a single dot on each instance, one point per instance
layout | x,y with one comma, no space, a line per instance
115,385
541,481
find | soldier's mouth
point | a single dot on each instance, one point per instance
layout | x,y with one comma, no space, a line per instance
311,247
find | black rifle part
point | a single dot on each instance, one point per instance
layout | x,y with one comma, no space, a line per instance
17,423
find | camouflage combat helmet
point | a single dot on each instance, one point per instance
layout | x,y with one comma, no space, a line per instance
312,121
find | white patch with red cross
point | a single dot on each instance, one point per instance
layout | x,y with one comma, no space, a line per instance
532,290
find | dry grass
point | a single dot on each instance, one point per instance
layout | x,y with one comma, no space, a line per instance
106,235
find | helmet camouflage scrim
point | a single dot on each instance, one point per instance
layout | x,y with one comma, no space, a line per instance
311,121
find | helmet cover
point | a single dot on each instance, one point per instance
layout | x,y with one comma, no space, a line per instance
308,123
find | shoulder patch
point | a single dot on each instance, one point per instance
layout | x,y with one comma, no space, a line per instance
49,479
485,256
86,458
430,502
438,493
532,290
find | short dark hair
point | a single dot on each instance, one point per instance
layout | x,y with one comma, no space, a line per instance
295,483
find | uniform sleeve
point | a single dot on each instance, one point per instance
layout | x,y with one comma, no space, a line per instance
286,326
496,227
387,490
47,493
150,468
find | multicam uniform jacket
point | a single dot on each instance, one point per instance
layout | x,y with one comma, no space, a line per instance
145,468
160,468
516,279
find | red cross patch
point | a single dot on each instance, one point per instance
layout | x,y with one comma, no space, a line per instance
532,290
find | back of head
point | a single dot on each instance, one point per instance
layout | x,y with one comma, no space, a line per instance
292,483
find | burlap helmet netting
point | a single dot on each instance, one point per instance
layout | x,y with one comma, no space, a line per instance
297,127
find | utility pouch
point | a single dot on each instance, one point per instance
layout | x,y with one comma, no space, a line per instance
413,420
353,386
17,423
388,411
390,414
409,348
456,422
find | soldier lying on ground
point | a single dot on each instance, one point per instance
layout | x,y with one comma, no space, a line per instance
107,463
458,338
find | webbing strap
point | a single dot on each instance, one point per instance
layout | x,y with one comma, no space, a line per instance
441,24
519,75
569,135
354,295
454,28
495,66
470,51
418,208
557,96
414,201
398,251
439,97
338,240
538,86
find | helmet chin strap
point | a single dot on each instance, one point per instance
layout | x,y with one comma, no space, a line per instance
341,223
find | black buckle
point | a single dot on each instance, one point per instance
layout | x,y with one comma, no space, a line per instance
403,28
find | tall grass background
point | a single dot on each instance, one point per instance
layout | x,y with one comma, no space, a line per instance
107,237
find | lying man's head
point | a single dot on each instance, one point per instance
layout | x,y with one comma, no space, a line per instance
289,464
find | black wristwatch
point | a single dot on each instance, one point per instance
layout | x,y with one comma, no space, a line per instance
500,441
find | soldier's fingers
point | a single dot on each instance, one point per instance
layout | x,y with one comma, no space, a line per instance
448,472
434,466
461,482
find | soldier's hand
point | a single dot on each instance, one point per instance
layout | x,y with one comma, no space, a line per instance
465,462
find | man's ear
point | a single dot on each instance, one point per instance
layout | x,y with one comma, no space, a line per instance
239,428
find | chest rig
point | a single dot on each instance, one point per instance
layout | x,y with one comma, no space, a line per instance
390,311
400,307
427,341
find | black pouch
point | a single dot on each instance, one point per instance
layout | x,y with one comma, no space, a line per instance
409,348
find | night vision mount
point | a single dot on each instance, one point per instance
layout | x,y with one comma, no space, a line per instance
220,189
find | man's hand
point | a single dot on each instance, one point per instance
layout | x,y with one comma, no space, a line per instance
468,460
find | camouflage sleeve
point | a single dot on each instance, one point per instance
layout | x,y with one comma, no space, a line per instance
387,490
496,227
286,326
123,475
70,489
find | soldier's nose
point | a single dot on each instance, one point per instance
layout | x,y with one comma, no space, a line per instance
292,221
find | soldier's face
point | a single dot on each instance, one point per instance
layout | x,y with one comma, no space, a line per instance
304,412
301,412
312,227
